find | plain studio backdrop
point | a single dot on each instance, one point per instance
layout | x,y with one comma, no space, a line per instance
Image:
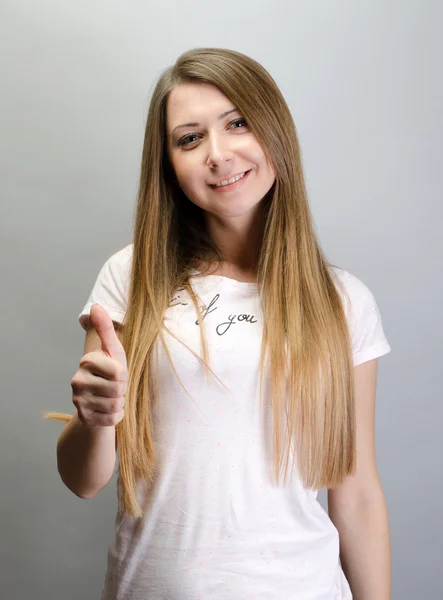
364,84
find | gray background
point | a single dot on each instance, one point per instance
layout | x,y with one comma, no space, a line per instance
364,83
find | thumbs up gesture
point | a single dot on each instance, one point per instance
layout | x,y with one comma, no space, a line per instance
99,384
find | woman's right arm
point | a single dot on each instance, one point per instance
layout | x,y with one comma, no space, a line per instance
86,448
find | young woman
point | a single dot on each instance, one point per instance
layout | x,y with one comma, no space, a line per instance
230,365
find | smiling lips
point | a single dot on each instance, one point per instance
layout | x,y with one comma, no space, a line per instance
228,182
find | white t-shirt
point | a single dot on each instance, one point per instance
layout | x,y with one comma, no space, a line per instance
215,527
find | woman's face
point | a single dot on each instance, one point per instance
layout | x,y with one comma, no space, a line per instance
209,143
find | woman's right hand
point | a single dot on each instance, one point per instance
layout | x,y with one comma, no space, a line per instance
100,382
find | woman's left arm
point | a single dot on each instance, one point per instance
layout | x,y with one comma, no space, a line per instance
358,507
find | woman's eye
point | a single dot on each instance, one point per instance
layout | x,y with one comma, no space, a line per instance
186,139
237,121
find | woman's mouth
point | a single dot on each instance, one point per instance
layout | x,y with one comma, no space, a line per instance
232,183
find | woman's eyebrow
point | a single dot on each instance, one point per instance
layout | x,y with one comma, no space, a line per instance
222,116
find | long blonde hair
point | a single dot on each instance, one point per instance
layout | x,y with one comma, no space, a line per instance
307,346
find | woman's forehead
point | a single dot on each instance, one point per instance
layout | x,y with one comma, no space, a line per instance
194,102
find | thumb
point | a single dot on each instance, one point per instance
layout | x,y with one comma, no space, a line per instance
104,327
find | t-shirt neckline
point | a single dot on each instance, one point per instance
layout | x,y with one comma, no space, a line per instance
234,283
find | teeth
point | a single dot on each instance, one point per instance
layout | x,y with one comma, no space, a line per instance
228,181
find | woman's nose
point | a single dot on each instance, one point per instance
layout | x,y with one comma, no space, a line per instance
218,151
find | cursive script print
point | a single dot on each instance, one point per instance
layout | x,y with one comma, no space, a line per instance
176,300
205,310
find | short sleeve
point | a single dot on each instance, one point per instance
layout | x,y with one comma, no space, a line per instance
368,338
111,287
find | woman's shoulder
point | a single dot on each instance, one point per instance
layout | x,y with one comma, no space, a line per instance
124,255
346,280
117,269
353,290
368,337
120,262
